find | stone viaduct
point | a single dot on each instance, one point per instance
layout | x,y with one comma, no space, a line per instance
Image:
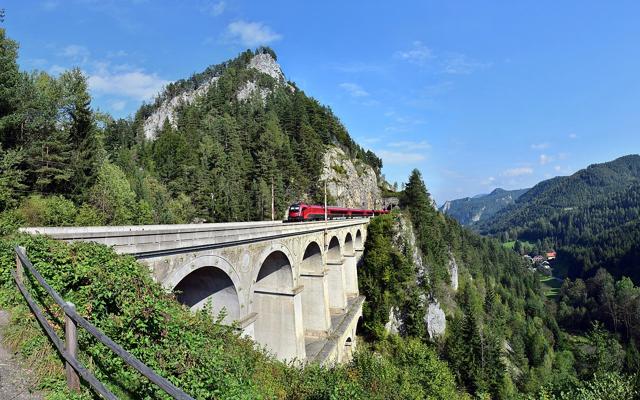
292,287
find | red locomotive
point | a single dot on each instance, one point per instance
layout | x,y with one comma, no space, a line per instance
306,212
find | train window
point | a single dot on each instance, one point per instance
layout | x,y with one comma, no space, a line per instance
294,208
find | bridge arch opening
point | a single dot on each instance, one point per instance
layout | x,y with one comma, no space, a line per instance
210,286
358,241
275,273
278,324
312,259
348,244
333,253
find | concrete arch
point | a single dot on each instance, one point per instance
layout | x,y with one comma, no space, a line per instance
290,280
207,262
275,273
312,259
359,245
334,251
210,286
348,244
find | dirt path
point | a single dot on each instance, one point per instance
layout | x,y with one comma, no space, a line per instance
14,377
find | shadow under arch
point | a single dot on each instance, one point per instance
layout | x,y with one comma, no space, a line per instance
211,286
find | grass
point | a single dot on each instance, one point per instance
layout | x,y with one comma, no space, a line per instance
551,285
510,244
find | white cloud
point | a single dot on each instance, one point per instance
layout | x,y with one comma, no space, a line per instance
410,145
252,33
418,54
456,63
75,52
540,146
489,181
573,136
399,157
135,84
56,69
545,159
519,171
354,89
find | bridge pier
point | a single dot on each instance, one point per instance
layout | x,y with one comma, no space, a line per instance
337,293
279,325
351,275
315,304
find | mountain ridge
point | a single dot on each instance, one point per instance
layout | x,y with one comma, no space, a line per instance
469,210
591,217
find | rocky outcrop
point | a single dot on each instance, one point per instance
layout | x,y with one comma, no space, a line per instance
435,320
266,64
167,109
263,62
453,272
351,183
395,324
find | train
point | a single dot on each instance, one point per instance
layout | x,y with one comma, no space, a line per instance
299,212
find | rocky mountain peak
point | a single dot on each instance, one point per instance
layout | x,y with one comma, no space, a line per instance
266,64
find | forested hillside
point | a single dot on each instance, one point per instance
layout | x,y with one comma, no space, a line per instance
591,218
502,339
471,210
214,158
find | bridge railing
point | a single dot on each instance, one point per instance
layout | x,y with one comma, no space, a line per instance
69,348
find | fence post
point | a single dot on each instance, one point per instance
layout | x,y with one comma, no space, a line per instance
71,345
19,266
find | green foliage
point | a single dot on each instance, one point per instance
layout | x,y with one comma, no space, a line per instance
11,178
113,197
205,359
48,211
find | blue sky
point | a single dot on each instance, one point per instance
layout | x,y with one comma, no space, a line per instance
477,95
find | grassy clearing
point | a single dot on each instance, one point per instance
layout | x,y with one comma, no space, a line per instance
551,285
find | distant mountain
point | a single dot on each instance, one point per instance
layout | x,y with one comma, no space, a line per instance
592,217
470,210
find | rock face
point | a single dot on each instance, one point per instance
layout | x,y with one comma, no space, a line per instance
351,183
435,319
453,272
395,324
167,110
264,63
267,65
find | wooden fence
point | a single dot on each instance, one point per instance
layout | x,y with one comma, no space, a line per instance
69,348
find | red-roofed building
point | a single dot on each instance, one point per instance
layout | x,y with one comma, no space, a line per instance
551,255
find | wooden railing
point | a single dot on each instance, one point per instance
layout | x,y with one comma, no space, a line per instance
69,348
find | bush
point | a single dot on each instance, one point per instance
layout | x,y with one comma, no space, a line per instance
48,211
89,216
